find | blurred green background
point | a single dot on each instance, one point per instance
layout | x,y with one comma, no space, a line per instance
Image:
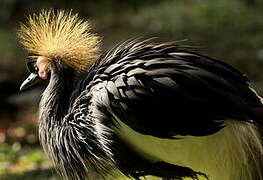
230,30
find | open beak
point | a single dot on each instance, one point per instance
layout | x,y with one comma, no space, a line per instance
30,81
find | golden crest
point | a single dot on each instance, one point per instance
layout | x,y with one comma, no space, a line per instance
60,36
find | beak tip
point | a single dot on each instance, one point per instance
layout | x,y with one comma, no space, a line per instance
31,80
21,88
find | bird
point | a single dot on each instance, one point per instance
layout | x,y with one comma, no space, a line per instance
143,108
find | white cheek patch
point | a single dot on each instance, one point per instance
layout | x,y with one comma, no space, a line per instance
43,67
43,72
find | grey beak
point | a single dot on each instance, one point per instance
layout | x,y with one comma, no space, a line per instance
30,81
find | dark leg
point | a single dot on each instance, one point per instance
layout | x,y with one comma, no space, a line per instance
172,172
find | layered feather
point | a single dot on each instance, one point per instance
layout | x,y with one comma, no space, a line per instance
60,36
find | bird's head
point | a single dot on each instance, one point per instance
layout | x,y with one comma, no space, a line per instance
56,40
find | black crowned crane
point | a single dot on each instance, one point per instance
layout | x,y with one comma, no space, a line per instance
143,108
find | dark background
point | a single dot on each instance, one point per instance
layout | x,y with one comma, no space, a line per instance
229,30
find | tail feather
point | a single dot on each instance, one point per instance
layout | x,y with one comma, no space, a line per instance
253,142
252,152
241,153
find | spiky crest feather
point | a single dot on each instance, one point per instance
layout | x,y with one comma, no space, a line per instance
60,36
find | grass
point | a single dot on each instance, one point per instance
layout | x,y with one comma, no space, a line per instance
27,163
39,174
23,163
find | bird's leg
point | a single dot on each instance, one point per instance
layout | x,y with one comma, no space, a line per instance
171,172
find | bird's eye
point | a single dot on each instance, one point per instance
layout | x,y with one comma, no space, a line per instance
31,66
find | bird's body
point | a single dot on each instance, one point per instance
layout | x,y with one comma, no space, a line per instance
147,108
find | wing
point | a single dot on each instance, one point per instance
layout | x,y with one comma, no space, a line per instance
164,90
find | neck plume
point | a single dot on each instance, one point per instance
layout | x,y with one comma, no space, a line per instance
54,106
66,143
54,102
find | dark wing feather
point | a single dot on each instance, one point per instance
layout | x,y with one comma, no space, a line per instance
163,90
